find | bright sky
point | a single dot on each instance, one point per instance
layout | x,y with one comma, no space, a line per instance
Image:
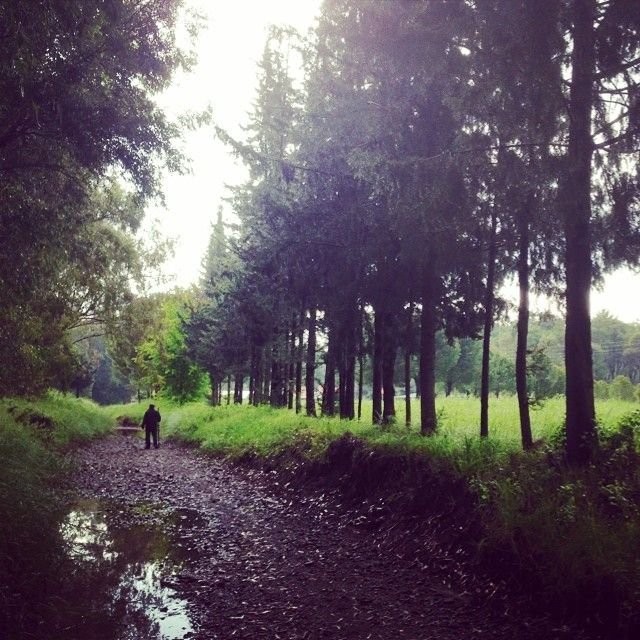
228,50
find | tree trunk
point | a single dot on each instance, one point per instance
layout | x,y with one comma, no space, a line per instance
329,394
429,323
407,366
213,384
252,376
259,378
267,372
350,412
291,365
388,370
488,324
229,389
376,391
310,368
360,383
580,418
342,380
347,368
238,388
523,332
361,325
277,382
299,358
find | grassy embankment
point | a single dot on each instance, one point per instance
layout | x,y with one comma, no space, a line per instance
33,437
574,534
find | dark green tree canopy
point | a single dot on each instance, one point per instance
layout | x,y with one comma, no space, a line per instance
76,115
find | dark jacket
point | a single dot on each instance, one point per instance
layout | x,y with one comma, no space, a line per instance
151,418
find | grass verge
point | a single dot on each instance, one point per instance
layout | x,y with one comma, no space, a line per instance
33,435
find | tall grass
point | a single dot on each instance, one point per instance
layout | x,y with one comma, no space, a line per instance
58,419
239,430
33,434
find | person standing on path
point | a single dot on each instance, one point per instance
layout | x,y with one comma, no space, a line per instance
151,425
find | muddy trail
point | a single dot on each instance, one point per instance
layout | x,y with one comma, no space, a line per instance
243,554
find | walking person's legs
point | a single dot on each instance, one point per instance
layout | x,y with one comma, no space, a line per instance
155,436
147,437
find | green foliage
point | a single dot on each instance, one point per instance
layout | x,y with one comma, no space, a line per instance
138,321
64,419
623,389
544,379
77,114
601,390
33,434
163,358
108,385
502,375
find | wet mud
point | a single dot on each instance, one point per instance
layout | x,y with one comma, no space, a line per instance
232,552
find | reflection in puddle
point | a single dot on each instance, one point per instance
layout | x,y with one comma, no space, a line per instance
132,561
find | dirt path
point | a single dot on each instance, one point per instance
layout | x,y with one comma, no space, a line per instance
267,562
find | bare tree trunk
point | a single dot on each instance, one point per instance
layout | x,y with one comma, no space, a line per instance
299,357
580,419
428,416
238,389
360,384
488,324
347,410
277,385
407,366
388,370
342,380
252,377
523,332
291,365
310,368
213,383
259,379
376,391
360,361
329,395
350,390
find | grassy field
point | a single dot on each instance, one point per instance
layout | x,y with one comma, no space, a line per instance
239,430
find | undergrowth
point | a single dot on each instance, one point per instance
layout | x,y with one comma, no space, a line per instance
33,436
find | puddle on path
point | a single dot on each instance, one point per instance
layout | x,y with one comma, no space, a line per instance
127,563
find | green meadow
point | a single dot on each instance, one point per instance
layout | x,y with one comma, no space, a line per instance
234,430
